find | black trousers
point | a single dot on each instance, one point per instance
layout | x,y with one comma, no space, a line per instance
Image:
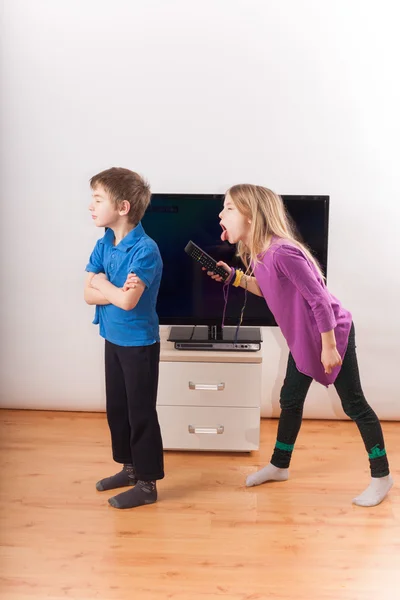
131,396
348,386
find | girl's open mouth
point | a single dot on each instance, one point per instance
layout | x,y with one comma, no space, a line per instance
224,234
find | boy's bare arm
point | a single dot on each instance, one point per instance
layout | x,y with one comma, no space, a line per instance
91,295
126,300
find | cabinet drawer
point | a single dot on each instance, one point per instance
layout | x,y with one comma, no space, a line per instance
199,428
209,384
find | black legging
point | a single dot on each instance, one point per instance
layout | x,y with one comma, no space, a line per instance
348,386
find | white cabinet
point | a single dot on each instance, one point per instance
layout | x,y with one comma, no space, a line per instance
209,400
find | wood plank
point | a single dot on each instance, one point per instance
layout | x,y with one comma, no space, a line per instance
208,537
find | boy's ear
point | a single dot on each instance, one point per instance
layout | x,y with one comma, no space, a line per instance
124,208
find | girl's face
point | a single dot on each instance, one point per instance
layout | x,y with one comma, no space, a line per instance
236,227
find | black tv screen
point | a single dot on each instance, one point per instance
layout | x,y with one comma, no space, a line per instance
187,295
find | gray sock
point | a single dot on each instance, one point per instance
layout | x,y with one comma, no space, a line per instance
122,479
144,492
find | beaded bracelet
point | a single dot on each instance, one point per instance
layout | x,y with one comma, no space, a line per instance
230,276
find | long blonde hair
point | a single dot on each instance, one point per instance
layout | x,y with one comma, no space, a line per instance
268,217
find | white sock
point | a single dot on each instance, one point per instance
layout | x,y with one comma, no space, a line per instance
268,473
377,491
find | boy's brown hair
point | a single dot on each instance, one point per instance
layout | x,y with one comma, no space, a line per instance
123,184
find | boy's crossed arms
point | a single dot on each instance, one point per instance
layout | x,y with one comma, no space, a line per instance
98,290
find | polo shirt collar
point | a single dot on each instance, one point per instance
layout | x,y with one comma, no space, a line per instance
127,242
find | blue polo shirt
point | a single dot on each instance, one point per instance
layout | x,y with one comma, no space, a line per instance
136,253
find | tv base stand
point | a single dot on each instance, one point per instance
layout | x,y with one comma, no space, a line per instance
217,338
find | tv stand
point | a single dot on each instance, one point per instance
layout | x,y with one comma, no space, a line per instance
215,337
209,400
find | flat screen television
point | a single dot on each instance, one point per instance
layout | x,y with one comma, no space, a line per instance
187,295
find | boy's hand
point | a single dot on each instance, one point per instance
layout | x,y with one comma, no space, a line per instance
96,278
218,277
131,282
330,359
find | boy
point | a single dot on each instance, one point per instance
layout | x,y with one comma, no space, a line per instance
129,323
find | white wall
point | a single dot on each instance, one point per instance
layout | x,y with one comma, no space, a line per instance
298,95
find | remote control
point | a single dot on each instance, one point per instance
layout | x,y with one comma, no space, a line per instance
205,260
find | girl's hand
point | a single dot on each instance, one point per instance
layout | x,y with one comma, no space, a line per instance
330,358
218,277
131,282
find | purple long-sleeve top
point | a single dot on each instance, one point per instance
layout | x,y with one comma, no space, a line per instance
302,306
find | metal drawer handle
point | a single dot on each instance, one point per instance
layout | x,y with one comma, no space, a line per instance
206,430
216,387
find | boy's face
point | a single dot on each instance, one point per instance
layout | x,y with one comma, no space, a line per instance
104,211
235,225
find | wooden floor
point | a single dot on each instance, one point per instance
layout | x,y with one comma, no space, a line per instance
208,537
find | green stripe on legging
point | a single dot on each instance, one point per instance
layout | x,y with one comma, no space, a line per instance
281,446
376,452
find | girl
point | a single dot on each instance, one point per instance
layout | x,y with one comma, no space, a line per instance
319,331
